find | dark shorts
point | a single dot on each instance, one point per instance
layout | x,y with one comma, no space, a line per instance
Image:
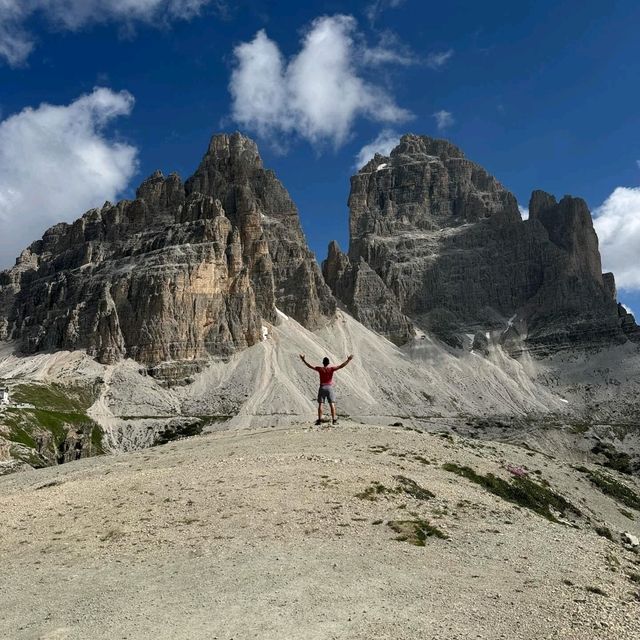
326,392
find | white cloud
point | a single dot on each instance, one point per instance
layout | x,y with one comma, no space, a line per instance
628,309
437,60
56,162
524,212
17,42
617,223
444,119
317,94
375,8
389,50
638,163
383,144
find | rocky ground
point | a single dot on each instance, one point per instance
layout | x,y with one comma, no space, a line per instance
304,532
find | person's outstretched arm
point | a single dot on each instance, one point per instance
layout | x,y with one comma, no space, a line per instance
308,365
345,363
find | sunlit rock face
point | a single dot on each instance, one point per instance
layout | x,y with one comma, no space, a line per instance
180,274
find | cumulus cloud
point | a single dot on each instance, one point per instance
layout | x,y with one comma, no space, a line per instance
382,144
617,223
628,309
17,41
56,162
444,119
437,60
524,212
317,94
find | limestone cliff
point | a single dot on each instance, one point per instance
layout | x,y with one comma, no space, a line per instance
179,274
442,243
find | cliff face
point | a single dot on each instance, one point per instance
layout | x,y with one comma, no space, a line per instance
255,201
179,274
450,253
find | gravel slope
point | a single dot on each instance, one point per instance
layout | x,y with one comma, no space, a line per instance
259,533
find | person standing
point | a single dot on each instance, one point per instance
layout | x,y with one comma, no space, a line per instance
326,391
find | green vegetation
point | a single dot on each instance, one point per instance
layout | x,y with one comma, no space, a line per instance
373,491
406,486
43,429
55,397
612,487
603,531
614,459
521,491
179,431
579,427
413,489
415,532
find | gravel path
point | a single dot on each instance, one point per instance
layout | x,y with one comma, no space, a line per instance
261,534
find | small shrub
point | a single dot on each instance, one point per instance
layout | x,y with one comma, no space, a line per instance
603,531
412,488
415,532
614,459
373,491
406,485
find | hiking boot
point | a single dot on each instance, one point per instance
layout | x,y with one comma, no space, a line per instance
318,422
334,422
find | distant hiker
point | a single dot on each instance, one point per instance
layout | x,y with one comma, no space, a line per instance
326,390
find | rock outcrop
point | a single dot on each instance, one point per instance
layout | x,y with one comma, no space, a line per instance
182,273
439,241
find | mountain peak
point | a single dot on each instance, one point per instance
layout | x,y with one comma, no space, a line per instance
412,144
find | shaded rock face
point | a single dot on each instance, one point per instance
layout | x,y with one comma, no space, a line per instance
452,254
179,274
366,295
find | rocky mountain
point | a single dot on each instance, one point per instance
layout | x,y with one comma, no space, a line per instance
438,243
210,282
182,273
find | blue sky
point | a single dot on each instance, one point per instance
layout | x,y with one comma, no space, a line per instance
544,95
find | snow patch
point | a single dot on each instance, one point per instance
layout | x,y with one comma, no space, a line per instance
382,166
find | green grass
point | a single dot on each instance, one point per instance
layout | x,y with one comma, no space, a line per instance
405,486
612,487
415,532
56,410
374,490
521,491
55,397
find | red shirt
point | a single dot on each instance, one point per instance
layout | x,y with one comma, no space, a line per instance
326,374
